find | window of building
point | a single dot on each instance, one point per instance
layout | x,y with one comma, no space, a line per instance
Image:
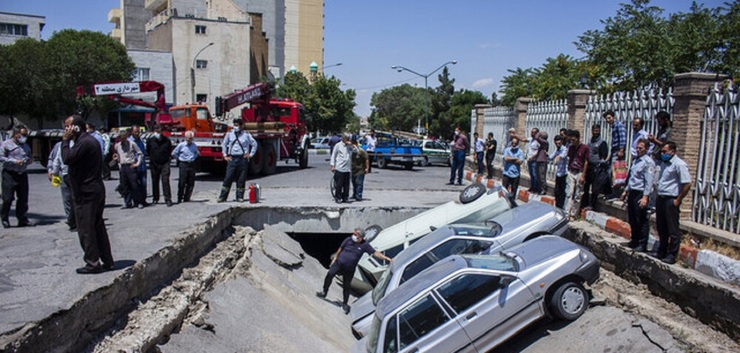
200,29
14,29
201,64
202,114
141,74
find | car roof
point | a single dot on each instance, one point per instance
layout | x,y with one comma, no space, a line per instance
530,253
425,243
420,283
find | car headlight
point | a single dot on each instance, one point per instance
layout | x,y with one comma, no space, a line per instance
584,256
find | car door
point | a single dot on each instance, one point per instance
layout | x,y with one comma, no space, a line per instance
424,326
489,309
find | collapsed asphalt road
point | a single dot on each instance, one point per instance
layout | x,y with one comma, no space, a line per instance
255,293
244,301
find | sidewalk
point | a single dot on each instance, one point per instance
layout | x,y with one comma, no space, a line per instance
705,261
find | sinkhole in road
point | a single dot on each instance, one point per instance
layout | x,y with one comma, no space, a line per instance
320,246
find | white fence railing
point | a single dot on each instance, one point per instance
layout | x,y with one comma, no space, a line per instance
550,116
717,178
626,107
498,120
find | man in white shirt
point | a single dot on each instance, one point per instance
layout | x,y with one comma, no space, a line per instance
370,143
480,145
341,163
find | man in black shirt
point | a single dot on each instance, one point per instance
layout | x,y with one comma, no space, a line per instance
159,149
85,161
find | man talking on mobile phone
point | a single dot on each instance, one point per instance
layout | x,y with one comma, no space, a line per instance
85,161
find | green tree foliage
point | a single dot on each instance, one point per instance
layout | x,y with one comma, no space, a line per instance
82,58
39,78
328,107
399,108
24,82
519,84
461,106
442,120
639,47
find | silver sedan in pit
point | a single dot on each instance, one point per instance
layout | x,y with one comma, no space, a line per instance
499,233
473,303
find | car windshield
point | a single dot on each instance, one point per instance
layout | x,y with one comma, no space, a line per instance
379,290
492,262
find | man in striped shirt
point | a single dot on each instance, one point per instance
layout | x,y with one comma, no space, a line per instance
619,144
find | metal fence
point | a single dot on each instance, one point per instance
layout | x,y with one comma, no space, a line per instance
717,185
549,116
626,107
498,120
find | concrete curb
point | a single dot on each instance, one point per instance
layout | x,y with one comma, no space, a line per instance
705,261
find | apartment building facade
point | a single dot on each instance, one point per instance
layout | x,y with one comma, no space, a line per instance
218,46
15,26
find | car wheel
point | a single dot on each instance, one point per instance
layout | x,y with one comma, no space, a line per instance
472,193
425,162
382,163
569,301
371,232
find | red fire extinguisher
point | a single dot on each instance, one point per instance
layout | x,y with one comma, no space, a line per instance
254,193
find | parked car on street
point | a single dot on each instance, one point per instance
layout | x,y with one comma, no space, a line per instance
434,153
473,303
497,234
321,142
475,205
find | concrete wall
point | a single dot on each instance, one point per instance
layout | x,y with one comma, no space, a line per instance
161,68
34,25
273,25
259,50
133,19
228,59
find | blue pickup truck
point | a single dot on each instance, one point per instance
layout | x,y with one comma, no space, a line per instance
392,150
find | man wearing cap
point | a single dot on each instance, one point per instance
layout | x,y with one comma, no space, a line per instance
238,148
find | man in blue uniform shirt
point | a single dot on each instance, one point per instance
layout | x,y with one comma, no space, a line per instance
238,148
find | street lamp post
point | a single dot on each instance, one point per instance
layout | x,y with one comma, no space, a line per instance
426,87
192,73
328,66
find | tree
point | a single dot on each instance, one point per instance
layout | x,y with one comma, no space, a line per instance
441,120
398,108
327,106
461,105
25,79
82,58
518,84
39,78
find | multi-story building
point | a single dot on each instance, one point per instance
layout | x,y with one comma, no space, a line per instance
14,26
218,46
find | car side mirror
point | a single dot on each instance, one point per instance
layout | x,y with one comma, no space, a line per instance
506,280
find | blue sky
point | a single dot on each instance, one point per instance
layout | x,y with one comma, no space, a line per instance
486,37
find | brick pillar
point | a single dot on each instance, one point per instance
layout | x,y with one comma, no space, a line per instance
479,119
521,118
690,92
577,100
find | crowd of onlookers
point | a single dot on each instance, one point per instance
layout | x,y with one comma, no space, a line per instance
655,181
